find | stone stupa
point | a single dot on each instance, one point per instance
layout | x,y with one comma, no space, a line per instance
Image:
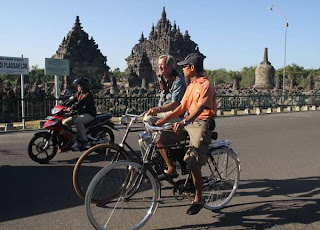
264,75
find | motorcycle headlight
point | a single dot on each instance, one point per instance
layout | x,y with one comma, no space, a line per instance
55,110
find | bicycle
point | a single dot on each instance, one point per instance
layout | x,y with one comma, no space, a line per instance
99,156
129,191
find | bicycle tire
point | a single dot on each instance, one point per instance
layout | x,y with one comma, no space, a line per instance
121,211
91,161
221,177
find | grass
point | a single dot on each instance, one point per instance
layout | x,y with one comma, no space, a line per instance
29,125
36,124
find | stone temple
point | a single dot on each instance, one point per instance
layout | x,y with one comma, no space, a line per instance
142,63
86,60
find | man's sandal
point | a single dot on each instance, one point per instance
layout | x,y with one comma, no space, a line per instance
172,174
194,208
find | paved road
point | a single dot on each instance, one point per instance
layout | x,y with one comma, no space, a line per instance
280,181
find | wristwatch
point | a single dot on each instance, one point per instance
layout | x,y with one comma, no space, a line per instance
186,122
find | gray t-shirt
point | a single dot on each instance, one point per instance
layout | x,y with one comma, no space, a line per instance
175,92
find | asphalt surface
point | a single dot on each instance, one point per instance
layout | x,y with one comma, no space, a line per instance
279,188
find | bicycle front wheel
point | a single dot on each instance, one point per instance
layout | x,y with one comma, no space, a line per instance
119,210
91,162
220,176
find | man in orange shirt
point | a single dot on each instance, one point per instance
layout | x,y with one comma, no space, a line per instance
199,102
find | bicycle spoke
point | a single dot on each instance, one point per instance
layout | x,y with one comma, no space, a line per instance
221,183
133,201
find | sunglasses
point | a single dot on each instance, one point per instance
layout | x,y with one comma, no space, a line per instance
188,65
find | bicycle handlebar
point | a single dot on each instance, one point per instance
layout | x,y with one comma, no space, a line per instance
149,127
133,115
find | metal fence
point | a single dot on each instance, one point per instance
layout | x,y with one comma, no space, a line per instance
226,103
38,108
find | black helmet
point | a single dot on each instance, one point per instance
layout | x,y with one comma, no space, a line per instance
83,82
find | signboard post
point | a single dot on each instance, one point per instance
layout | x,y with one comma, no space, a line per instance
57,67
16,66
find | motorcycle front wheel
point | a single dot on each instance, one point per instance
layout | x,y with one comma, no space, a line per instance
42,148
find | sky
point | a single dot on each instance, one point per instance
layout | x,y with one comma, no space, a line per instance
232,34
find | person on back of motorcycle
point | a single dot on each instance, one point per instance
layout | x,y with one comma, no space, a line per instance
84,109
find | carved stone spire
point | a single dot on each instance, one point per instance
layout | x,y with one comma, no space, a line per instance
77,24
265,57
164,15
152,32
174,30
186,35
141,38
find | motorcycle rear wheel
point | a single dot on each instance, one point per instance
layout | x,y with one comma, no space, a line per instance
105,135
42,148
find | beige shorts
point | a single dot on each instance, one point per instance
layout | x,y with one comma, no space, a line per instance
200,138
169,137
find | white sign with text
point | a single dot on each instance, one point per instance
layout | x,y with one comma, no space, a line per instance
14,65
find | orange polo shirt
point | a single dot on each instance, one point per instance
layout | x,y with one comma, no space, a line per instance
200,92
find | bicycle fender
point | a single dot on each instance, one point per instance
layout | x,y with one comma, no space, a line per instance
41,134
111,125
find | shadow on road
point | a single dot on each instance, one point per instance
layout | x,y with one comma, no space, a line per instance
277,202
32,190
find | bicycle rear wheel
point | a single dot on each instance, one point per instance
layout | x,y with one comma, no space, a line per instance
91,162
221,176
120,211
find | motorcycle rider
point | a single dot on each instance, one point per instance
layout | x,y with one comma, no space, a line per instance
82,104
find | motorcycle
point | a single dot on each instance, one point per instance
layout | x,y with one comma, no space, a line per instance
60,138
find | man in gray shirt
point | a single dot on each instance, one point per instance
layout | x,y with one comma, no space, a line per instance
172,87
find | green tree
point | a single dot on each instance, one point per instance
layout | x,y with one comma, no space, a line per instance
117,73
218,76
9,78
297,72
38,74
248,76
